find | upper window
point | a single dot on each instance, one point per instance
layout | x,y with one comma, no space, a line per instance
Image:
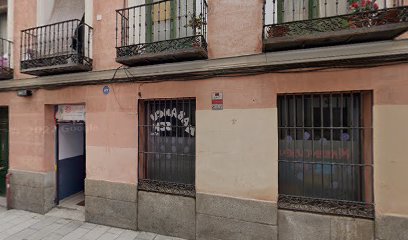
281,11
54,11
3,23
325,153
167,146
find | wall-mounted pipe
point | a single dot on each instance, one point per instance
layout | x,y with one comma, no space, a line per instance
8,191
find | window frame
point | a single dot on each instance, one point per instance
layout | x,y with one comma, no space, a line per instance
151,18
155,185
362,208
312,11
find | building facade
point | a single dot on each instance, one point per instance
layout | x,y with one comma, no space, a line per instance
210,119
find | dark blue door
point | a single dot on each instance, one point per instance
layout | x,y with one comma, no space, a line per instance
71,159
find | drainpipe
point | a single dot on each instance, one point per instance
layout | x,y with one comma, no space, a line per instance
8,191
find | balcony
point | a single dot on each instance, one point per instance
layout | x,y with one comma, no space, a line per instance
6,48
291,24
161,31
62,47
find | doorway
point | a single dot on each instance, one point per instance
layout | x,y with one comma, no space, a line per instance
71,160
70,155
4,150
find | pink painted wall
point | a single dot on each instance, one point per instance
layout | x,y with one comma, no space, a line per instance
112,134
243,36
112,119
25,16
234,27
104,40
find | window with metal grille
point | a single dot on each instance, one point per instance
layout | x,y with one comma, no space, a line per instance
167,146
325,153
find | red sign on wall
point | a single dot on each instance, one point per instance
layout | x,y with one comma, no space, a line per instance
217,101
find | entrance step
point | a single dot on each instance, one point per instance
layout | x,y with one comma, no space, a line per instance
72,208
3,202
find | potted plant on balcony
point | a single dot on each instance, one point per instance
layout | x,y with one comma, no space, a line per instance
365,13
356,6
196,23
366,20
361,13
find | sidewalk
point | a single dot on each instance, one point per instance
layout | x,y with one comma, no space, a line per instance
22,225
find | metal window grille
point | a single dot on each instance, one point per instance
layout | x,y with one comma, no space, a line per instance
167,146
283,11
161,20
325,153
55,44
177,27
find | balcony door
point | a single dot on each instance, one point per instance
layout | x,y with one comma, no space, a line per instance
161,20
295,10
147,21
3,25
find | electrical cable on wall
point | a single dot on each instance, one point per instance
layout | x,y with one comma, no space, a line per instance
299,68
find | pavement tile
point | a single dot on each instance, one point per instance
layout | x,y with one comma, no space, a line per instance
146,236
22,225
95,233
128,235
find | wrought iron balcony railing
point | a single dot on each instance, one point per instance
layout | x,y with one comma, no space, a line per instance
309,23
6,70
56,48
161,31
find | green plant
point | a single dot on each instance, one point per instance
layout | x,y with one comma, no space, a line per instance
362,5
196,23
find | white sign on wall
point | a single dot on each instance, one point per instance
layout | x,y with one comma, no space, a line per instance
70,113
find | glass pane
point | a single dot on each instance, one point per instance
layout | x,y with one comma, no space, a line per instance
326,103
308,145
347,110
291,110
282,111
299,145
336,109
317,114
299,111
357,116
308,110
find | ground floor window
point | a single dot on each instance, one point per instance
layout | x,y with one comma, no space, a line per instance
167,146
325,153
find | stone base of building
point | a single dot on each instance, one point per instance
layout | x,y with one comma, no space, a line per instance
391,227
308,226
230,218
32,191
167,214
204,217
112,204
